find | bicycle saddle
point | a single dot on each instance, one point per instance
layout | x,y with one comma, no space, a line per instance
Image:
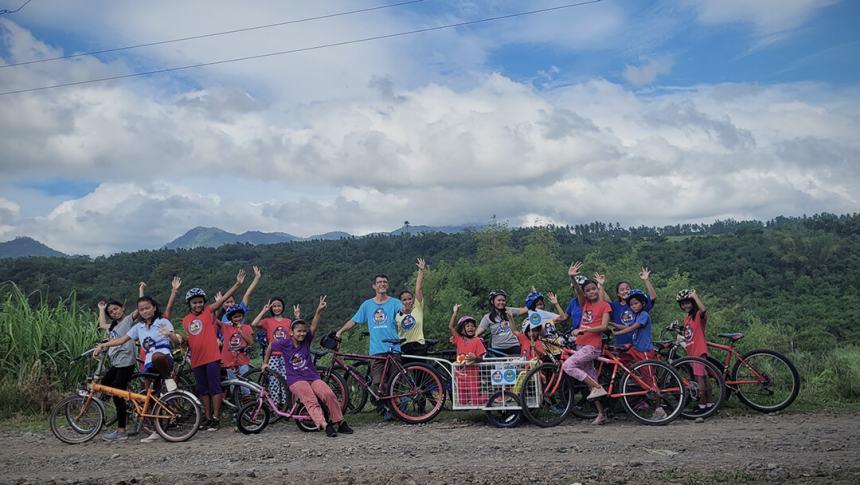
734,337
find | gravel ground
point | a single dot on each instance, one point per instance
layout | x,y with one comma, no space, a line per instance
797,448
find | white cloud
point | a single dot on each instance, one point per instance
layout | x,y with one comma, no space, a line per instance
769,18
648,71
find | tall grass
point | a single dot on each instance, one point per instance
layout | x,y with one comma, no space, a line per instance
38,344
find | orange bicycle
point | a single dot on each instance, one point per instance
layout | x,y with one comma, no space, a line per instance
79,417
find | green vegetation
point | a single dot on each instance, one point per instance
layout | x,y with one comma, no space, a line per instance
784,283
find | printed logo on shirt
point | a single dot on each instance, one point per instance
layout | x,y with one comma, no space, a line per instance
148,344
550,331
280,333
503,328
195,327
408,322
688,333
113,334
587,317
626,317
535,318
235,343
379,317
298,362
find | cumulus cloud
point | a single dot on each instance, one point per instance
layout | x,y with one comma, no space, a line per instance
648,71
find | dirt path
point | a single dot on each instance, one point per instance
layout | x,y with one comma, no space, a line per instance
801,448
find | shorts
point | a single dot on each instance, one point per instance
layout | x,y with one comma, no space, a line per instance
208,378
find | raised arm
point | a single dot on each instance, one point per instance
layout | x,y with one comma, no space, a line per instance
513,324
695,296
240,278
266,356
419,281
111,343
573,272
141,288
645,274
103,324
175,283
315,323
259,318
452,323
601,286
553,299
257,275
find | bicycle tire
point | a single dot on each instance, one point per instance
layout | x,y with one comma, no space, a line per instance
773,366
417,385
83,425
187,416
670,393
238,399
336,384
713,380
504,418
554,405
253,417
281,400
356,391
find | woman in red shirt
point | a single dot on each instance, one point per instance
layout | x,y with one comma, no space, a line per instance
595,321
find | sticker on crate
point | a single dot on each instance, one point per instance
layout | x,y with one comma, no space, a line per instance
503,377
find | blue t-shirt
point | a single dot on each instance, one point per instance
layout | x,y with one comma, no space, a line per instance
151,340
575,313
641,337
380,322
623,315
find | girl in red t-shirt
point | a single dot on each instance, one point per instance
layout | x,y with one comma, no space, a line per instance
470,350
695,342
277,327
595,321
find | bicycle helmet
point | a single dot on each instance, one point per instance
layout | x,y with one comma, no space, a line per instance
232,310
581,279
495,293
638,294
532,299
194,292
461,323
329,341
684,295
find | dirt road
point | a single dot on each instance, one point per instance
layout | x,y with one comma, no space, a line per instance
800,448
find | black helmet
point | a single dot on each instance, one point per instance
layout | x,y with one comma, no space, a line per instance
495,293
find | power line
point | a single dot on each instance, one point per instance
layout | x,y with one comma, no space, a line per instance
6,10
214,34
303,49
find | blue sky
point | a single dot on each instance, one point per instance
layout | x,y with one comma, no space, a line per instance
359,138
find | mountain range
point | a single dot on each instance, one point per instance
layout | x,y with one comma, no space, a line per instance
22,247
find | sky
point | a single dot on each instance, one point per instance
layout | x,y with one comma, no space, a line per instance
639,112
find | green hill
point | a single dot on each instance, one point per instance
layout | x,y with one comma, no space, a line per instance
22,247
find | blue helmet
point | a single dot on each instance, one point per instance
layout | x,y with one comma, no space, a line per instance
532,299
638,294
232,310
194,292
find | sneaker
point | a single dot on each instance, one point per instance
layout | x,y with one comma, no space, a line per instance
214,424
330,431
599,420
115,436
150,438
387,416
344,428
660,413
170,384
597,392
204,424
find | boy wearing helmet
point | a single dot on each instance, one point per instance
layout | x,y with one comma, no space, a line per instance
470,350
201,327
238,340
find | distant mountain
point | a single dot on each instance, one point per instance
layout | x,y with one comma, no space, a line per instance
446,229
213,237
22,247
330,236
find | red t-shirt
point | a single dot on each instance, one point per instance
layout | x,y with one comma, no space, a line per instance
592,316
694,334
468,345
276,330
232,351
526,346
202,331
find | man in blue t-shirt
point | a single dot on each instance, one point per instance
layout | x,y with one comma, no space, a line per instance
378,314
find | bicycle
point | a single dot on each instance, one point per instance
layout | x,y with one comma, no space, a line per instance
255,415
256,379
412,391
176,414
764,380
645,386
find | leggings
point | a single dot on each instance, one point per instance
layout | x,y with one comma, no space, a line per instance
310,393
581,364
119,377
276,363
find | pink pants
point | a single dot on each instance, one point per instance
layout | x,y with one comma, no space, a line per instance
581,363
310,393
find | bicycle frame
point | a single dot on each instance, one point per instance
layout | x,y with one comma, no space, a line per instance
141,402
340,358
266,398
611,359
731,354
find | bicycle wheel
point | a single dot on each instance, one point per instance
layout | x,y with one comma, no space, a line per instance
303,420
275,386
356,391
653,393
335,382
768,381
705,393
185,419
242,394
77,419
417,394
504,418
581,407
553,399
253,417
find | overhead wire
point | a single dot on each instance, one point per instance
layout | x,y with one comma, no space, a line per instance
213,34
6,10
304,49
